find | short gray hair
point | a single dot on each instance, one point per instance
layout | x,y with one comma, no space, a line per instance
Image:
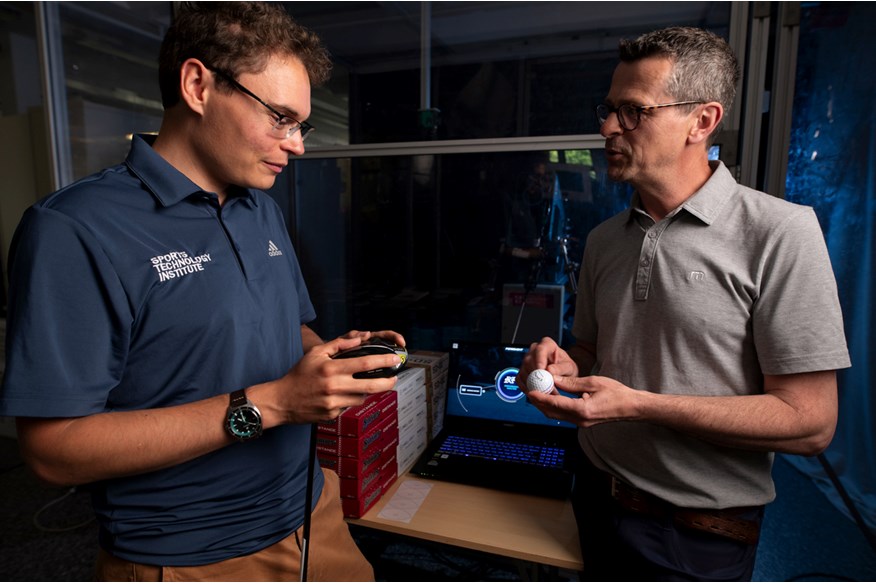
704,66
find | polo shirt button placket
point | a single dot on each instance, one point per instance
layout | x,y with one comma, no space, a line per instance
643,274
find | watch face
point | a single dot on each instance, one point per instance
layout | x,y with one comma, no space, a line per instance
245,423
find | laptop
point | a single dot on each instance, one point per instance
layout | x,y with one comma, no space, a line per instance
492,436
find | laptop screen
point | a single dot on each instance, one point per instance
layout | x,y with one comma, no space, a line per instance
482,383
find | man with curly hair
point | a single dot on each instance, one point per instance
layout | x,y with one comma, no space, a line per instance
158,351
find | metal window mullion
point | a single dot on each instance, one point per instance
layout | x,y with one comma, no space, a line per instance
730,134
738,38
754,95
54,93
467,146
782,104
425,56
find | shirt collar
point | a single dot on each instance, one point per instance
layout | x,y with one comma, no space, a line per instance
169,185
706,203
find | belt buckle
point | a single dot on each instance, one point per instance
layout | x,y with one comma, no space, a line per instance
614,490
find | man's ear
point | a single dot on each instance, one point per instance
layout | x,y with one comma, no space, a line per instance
195,81
709,116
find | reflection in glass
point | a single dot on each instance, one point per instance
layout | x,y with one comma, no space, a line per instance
24,160
832,167
427,244
497,69
110,53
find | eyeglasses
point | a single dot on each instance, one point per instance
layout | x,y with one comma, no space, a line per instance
629,115
284,126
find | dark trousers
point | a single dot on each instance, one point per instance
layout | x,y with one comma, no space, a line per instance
622,545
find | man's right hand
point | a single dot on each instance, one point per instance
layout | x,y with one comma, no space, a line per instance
318,388
546,354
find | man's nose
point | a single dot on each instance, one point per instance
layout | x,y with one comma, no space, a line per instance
293,144
611,125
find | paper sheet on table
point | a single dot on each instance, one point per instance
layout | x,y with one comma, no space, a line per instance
406,501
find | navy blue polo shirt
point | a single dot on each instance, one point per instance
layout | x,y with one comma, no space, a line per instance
134,289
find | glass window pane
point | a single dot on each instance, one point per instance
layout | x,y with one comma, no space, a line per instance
24,158
19,64
832,167
110,52
430,244
498,69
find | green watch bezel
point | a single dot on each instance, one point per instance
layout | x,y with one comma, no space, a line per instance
244,420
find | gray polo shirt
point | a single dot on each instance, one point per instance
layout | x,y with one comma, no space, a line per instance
732,285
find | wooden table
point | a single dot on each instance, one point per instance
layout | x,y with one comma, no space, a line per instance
524,527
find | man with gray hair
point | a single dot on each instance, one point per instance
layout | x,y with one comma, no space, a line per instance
708,331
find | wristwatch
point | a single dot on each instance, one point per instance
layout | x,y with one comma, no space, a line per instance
244,420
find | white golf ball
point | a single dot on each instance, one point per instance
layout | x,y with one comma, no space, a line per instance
540,380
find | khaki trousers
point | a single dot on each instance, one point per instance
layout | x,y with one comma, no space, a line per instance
333,555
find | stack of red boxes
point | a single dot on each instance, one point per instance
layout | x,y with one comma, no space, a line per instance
360,446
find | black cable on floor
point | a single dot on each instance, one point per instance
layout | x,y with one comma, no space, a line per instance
850,505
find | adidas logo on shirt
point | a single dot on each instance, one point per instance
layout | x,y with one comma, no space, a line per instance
273,250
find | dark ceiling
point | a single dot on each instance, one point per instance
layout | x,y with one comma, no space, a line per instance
382,36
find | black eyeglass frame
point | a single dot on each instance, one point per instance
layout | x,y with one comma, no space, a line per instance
305,128
604,110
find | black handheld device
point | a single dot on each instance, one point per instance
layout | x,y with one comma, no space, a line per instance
376,346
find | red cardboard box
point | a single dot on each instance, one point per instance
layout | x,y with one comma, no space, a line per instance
355,507
347,467
377,438
357,487
359,420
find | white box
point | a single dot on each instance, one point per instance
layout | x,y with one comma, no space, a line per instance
435,361
436,364
410,450
437,404
413,436
410,387
411,422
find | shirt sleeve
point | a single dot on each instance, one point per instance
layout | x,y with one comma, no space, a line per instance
68,323
797,319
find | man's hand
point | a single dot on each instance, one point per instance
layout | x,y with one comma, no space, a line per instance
318,388
391,336
546,354
599,399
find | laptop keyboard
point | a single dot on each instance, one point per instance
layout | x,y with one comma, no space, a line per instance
547,456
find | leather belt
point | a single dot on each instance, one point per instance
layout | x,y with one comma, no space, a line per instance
723,522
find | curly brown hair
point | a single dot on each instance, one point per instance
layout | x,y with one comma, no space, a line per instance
235,38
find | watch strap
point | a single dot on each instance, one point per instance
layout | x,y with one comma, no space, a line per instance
238,398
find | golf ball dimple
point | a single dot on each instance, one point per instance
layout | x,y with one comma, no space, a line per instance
540,380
